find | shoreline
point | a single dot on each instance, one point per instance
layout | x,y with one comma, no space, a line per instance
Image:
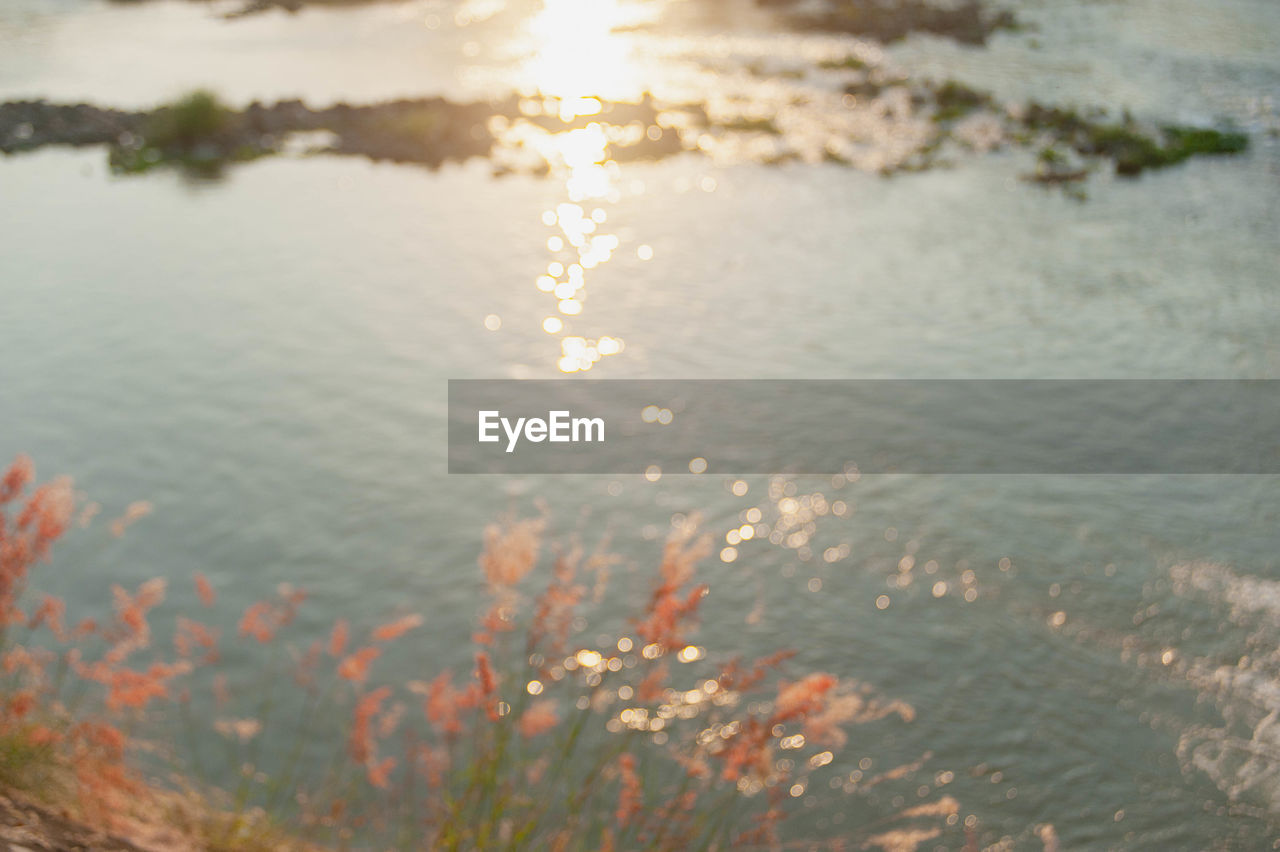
201,135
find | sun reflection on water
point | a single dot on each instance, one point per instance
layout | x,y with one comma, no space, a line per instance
579,52
577,245
600,82
577,61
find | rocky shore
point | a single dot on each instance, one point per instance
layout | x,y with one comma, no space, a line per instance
202,136
199,131
27,827
965,21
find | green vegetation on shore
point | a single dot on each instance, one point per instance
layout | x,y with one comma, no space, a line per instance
191,119
954,100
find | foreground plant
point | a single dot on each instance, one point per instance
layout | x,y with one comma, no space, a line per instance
547,740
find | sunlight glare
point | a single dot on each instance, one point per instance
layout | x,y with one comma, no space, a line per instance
579,56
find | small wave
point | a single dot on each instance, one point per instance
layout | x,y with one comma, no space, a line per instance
1242,756
1246,595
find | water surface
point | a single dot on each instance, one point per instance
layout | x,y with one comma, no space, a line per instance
264,358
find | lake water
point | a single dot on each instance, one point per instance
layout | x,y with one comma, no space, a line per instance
264,358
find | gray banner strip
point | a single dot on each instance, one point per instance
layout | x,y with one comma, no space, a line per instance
877,426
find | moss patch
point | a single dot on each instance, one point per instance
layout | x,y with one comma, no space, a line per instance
1134,150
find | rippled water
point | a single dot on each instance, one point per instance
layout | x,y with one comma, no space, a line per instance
264,358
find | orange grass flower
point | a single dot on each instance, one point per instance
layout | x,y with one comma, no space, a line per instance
19,657
380,773
256,622
669,609
205,590
134,512
538,718
338,638
443,703
802,698
553,613
191,636
50,613
630,796
129,688
25,540
355,667
396,629
488,683
362,742
262,620
20,704
510,551
19,475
